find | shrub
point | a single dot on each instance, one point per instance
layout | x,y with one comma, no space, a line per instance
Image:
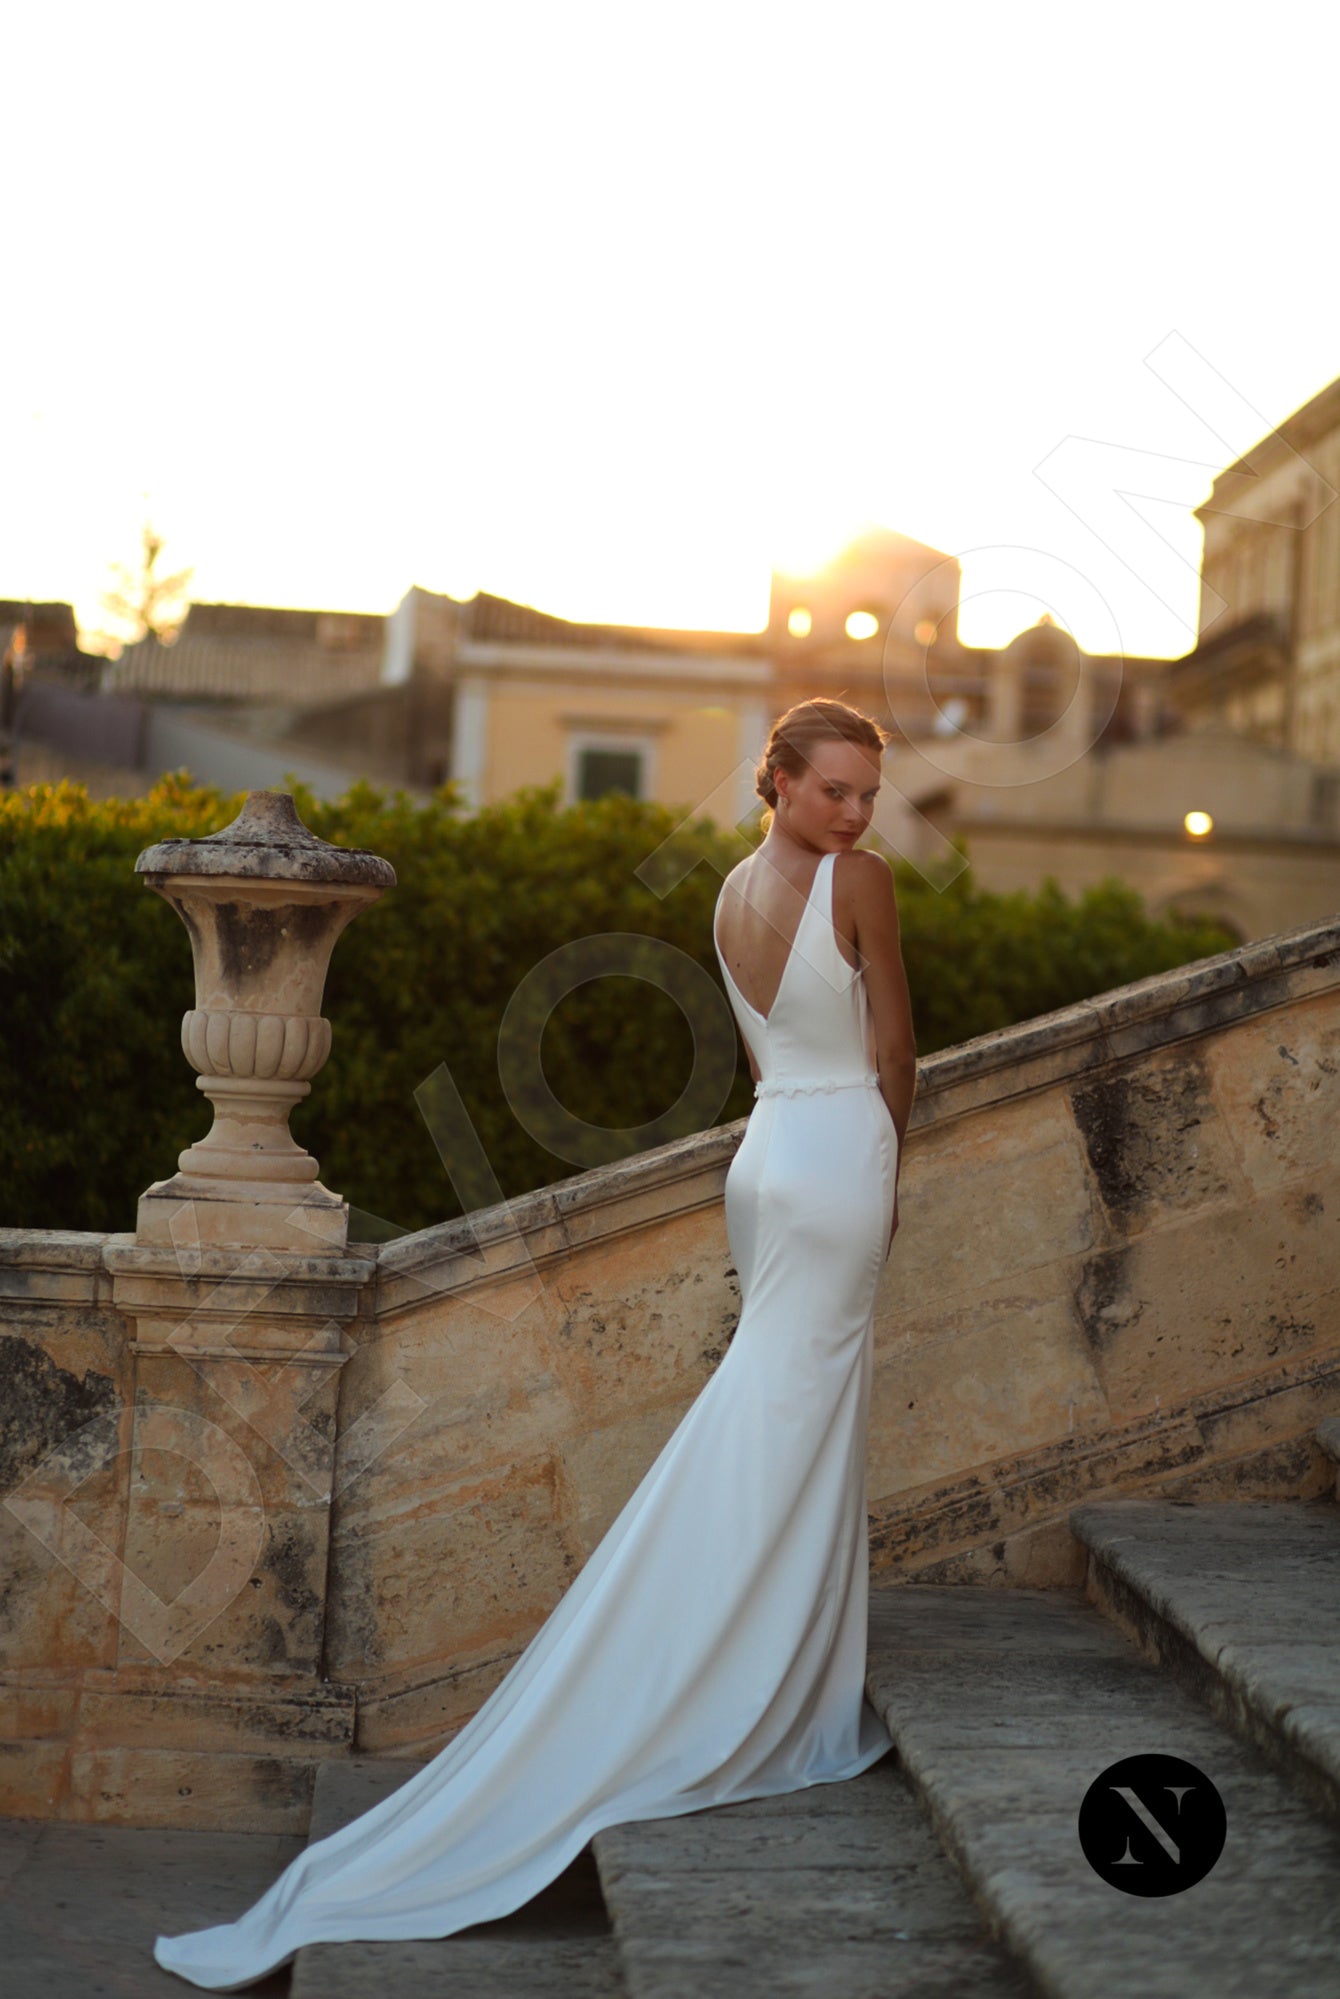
95,974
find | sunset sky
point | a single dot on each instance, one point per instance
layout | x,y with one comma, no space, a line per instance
610,308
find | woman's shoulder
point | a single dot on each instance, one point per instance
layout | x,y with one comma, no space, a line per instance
861,860
862,884
862,869
734,878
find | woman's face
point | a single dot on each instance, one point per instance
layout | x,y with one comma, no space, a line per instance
830,803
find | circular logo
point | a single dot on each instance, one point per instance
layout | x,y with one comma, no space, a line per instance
1152,1825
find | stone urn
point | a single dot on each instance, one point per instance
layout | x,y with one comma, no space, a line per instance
263,901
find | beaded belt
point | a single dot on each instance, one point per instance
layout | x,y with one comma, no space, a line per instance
773,1088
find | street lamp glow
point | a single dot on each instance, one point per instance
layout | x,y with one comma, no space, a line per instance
799,623
862,625
1198,824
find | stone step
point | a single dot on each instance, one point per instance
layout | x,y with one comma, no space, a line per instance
840,1889
1241,1605
1005,1706
559,1946
81,1904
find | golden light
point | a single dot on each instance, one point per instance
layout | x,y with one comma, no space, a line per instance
925,631
806,547
1198,824
799,623
862,625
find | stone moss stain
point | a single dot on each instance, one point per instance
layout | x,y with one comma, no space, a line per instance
251,937
1104,1299
1143,1135
297,1637
41,1404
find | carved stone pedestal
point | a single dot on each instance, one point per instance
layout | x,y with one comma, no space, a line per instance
264,902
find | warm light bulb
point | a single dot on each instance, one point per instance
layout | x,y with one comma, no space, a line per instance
862,625
925,631
1198,824
799,623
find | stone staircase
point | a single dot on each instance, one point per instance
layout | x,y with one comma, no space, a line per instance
952,1869
559,1943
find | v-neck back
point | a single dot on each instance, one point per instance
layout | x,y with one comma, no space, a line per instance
765,1018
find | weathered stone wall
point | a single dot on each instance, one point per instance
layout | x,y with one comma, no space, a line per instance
546,1390
1127,1282
1117,1273
1117,1270
129,1692
64,1363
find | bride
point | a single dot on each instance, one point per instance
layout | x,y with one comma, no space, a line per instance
712,1648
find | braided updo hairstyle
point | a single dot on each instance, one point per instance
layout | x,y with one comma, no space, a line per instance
796,733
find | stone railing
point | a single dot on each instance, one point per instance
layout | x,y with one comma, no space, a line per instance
269,1495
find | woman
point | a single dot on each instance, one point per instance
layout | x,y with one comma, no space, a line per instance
712,1649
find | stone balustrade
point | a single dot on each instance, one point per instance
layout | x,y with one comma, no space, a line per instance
263,1503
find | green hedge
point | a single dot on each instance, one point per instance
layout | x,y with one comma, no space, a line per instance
95,974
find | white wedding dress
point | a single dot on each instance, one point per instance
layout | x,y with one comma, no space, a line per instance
713,1646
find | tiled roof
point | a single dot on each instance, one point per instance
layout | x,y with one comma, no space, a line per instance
497,620
336,629
288,670
50,626
257,653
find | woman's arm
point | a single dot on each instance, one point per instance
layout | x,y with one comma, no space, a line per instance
879,948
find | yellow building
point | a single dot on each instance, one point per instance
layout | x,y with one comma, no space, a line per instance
1267,660
1045,760
1214,787
513,697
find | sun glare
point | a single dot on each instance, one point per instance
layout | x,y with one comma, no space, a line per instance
807,550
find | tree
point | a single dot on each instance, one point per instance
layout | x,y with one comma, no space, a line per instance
146,601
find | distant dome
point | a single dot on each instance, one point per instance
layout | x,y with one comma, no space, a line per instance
1045,643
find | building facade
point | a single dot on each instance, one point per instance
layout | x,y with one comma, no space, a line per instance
1267,658
1041,758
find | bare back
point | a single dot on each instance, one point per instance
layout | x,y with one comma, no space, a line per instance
760,913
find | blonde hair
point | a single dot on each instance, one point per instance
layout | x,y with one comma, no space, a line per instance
796,733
